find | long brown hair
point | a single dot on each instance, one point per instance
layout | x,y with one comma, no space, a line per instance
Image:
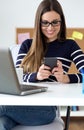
33,59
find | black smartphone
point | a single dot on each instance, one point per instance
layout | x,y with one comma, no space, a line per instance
50,61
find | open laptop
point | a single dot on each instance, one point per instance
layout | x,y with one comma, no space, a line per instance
9,83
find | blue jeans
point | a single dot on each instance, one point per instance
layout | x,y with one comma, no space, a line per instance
10,116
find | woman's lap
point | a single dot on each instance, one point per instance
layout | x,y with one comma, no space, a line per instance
27,115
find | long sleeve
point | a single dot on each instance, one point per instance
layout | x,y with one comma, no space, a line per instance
68,52
27,77
77,56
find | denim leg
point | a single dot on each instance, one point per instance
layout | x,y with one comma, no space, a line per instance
1,110
30,115
6,123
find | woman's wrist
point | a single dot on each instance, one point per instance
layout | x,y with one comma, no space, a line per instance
66,78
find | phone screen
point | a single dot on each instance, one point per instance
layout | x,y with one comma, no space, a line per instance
50,61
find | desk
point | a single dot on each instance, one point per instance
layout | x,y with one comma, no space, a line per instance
57,94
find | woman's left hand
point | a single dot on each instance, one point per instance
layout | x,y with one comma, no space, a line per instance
58,73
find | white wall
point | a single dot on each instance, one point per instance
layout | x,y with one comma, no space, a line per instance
21,13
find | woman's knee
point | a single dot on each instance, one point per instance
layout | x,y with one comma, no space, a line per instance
6,123
3,123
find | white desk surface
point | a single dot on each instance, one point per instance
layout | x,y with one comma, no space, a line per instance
57,94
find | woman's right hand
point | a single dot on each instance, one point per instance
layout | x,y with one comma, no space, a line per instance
43,72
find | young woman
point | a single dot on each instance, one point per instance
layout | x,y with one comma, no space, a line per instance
49,41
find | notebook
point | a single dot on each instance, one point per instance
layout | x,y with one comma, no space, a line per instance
9,83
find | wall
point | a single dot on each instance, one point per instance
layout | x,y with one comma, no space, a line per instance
21,13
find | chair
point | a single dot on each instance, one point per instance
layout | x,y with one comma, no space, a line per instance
14,51
58,123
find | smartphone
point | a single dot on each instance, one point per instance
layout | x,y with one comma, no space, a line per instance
50,61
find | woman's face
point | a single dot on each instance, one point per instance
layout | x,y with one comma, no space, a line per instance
50,25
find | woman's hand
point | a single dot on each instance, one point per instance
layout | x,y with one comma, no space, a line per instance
43,72
58,73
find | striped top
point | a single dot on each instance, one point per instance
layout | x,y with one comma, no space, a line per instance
67,52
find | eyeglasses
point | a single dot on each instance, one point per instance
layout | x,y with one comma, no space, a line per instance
54,23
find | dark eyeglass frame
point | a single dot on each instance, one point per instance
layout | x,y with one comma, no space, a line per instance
54,23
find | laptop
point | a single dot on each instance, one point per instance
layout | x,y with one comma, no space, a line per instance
9,83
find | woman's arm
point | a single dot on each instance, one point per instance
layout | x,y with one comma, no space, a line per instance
27,77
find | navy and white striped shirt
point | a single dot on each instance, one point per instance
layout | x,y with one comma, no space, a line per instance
67,52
